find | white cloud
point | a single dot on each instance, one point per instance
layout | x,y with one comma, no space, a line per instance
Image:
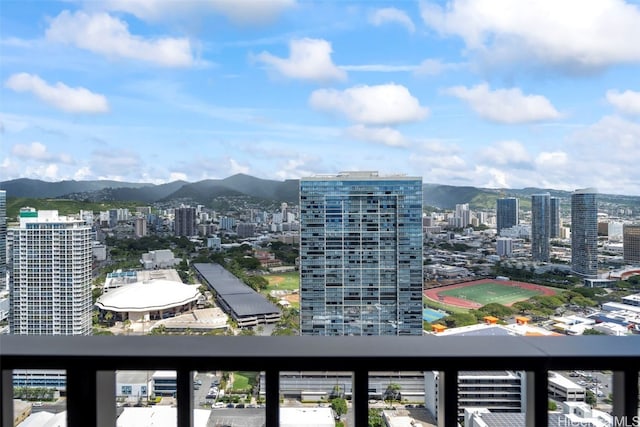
309,59
570,34
385,104
627,102
177,176
391,14
295,168
106,35
505,105
38,151
235,167
434,67
61,96
506,153
379,135
552,159
83,173
380,68
249,12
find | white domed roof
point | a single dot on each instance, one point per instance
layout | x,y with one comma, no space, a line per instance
152,295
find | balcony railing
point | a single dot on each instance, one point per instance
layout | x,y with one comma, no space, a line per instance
90,363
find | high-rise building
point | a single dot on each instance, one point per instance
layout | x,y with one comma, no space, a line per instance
463,214
361,254
554,215
584,232
504,246
140,226
50,261
631,243
507,213
185,221
3,240
540,226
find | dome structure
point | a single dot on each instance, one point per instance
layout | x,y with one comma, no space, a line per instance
149,300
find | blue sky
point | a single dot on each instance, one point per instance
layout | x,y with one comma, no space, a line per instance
488,93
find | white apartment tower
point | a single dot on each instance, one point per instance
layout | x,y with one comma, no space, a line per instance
49,263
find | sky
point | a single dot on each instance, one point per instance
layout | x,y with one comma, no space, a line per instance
486,93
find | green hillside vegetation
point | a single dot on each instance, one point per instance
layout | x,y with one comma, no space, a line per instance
63,206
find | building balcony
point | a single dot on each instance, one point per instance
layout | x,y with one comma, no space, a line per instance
90,364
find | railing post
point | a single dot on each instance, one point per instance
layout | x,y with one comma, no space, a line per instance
625,397
105,398
272,396
448,398
81,396
537,412
6,394
360,398
185,398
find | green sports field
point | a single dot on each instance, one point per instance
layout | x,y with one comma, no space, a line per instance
289,281
486,293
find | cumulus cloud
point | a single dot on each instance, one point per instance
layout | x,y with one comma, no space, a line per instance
570,34
379,135
505,105
627,102
309,59
385,104
61,96
392,15
107,35
552,159
506,153
235,167
249,12
39,152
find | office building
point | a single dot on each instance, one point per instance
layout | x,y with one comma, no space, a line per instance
140,226
361,254
507,213
504,246
463,215
540,226
584,232
3,240
631,243
50,260
185,221
554,217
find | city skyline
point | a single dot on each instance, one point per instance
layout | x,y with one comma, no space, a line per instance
150,91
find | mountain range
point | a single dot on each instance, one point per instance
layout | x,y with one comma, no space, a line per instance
242,185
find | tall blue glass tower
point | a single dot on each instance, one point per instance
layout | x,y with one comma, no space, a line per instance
507,213
584,232
540,226
361,254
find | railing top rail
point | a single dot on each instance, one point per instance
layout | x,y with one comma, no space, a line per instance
321,353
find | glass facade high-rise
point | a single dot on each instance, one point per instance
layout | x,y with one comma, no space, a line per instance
50,263
185,222
3,240
631,243
540,226
554,215
584,232
361,254
507,213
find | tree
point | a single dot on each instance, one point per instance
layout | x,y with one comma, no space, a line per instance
339,406
392,393
375,418
553,406
590,398
592,331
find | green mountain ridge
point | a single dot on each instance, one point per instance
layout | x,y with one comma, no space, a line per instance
205,192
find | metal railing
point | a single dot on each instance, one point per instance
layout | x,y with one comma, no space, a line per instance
91,362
